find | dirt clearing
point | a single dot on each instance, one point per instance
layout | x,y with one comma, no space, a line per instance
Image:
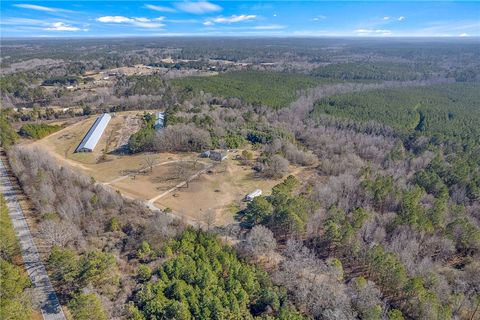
214,194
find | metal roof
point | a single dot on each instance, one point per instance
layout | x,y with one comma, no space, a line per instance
159,121
94,134
254,194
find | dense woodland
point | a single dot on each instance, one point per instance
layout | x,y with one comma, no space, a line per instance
386,227
203,279
257,88
15,298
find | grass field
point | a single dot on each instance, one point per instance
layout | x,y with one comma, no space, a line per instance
272,89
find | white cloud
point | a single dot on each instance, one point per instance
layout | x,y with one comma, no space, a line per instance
23,21
386,18
448,28
61,26
40,8
274,14
199,7
138,22
401,18
159,8
320,17
269,27
182,20
464,35
113,19
373,32
231,19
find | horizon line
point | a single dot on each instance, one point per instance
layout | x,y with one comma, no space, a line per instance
353,37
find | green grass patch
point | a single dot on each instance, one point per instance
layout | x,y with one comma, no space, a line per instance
273,89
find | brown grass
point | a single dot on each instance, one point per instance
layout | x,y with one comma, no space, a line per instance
219,192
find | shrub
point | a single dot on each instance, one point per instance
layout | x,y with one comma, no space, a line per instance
38,131
144,273
8,136
87,306
14,302
276,167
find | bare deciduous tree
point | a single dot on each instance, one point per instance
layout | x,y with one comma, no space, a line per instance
209,218
276,167
182,137
183,171
149,161
260,241
58,233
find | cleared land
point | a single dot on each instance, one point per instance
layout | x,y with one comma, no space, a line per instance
213,195
217,195
105,163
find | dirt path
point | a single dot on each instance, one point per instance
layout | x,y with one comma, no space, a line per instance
155,165
44,294
181,184
150,203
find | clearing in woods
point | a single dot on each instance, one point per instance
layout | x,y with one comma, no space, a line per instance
214,195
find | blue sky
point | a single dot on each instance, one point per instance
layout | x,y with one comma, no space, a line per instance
239,18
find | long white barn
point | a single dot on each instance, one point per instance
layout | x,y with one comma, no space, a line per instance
94,134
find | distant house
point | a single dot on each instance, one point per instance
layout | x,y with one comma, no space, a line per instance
94,134
214,155
159,120
254,194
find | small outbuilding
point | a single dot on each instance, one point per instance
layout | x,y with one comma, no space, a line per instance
217,156
252,195
159,120
214,155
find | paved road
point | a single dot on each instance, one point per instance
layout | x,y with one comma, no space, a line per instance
43,290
